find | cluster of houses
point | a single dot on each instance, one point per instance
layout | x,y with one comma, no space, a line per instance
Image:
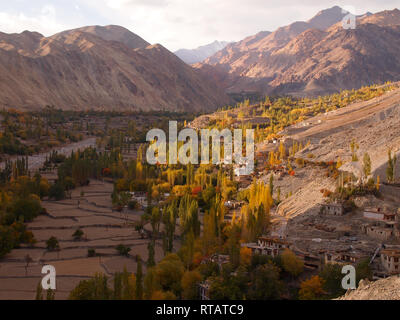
385,261
380,223
275,246
268,246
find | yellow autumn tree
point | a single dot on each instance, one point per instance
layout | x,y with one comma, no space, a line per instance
256,218
311,289
245,256
282,151
189,283
291,263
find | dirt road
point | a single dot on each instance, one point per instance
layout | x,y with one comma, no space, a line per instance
37,160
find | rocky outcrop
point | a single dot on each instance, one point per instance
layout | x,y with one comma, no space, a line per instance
385,289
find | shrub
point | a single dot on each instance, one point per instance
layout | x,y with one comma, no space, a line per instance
52,244
123,250
57,191
78,234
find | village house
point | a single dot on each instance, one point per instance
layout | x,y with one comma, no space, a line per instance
343,257
383,226
379,214
220,259
140,198
333,209
231,204
267,246
390,261
380,233
310,261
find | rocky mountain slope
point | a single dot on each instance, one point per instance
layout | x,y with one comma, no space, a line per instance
372,124
385,289
314,57
99,67
201,53
111,33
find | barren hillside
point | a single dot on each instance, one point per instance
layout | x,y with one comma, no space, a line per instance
82,69
373,125
314,57
385,289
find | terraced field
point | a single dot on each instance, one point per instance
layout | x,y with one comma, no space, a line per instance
103,230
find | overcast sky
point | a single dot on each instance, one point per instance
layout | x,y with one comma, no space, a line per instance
173,23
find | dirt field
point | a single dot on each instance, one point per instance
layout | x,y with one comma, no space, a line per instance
103,230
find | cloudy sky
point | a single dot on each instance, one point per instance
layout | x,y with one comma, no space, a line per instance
173,23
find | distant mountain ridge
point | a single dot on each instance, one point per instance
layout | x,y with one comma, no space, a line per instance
112,68
97,67
311,58
201,53
111,33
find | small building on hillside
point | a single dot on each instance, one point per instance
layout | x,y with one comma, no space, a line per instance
382,224
231,204
379,214
140,198
380,232
333,209
311,261
390,261
344,257
268,246
219,259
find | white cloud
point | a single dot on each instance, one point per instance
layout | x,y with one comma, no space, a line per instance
117,4
186,23
175,23
45,22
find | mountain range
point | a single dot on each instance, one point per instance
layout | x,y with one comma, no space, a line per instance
201,53
112,68
311,58
99,67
